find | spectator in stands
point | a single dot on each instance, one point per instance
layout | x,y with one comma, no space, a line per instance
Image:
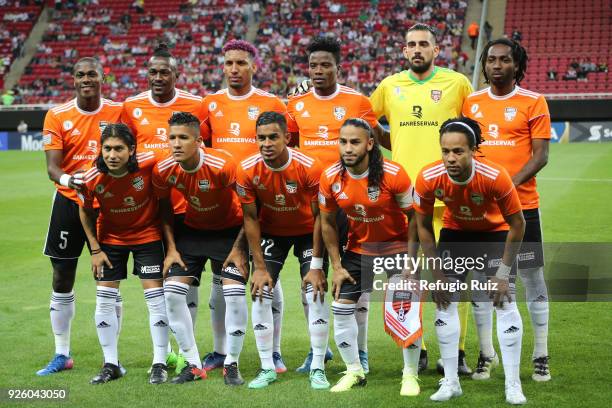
517,35
473,33
8,98
551,74
574,64
581,75
488,29
602,66
571,74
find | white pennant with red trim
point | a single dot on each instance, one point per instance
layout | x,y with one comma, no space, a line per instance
403,311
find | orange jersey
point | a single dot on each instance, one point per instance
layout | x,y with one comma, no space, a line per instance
285,194
128,208
477,204
148,120
319,118
508,124
208,189
231,120
377,222
77,134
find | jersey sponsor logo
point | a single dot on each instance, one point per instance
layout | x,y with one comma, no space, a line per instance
138,183
68,124
99,188
129,201
279,199
373,193
291,186
299,106
234,129
153,146
212,106
253,112
477,198
360,209
144,269
323,132
161,134
510,113
436,95
195,200
137,113
493,131
204,185
465,210
336,187
339,112
92,146
419,123
417,111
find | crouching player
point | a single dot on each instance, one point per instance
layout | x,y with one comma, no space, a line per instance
376,195
212,230
128,223
285,183
482,219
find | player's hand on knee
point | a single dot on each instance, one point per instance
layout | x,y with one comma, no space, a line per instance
240,258
339,277
441,298
172,257
260,280
301,88
316,278
98,261
501,293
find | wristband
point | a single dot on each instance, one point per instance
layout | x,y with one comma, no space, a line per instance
96,251
503,271
64,180
316,263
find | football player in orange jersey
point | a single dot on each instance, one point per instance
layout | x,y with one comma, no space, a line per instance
376,195
120,181
483,228
147,116
516,127
71,134
284,183
211,231
229,124
316,116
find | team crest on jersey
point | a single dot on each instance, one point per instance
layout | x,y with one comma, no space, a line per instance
436,95
137,113
291,186
253,112
510,113
360,209
241,191
256,180
102,125
138,183
339,112
279,199
204,185
129,201
439,193
172,179
68,124
212,106
373,193
477,198
299,106
336,187
99,188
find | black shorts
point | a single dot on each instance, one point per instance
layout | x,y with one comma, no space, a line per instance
462,251
342,223
362,269
198,246
65,236
531,254
148,261
275,250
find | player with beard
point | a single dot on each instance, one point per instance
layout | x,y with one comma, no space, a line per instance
147,115
230,116
515,123
71,137
416,102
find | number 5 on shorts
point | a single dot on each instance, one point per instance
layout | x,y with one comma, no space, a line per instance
64,239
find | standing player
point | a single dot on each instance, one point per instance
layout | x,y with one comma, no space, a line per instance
376,195
71,134
318,115
230,116
415,103
147,114
206,178
516,126
285,183
120,181
482,220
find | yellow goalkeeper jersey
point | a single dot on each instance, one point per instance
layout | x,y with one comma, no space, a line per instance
415,109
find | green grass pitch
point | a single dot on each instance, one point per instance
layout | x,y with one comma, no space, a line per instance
575,188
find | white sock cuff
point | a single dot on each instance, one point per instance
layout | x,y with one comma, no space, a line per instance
231,292
153,293
64,298
177,288
107,293
343,309
217,280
